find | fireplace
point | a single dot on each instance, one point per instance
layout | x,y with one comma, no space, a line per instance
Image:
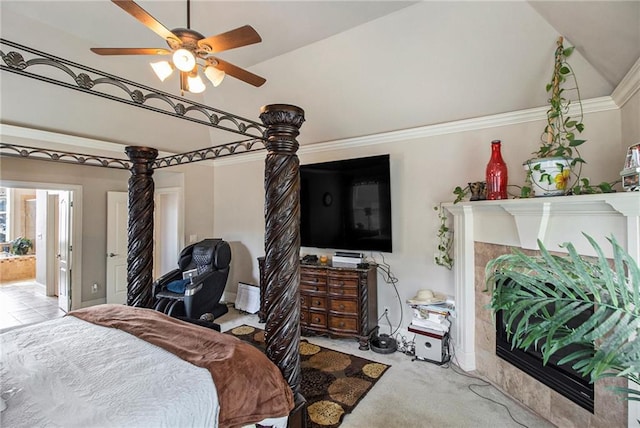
523,385
487,229
561,378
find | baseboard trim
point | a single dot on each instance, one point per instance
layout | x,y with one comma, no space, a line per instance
94,302
229,297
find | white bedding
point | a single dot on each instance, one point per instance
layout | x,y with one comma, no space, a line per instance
68,372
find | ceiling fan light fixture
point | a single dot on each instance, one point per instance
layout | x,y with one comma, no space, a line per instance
214,75
195,84
190,50
184,60
163,69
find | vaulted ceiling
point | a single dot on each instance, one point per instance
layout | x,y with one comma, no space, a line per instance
356,68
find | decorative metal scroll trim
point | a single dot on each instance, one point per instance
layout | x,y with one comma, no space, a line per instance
245,146
65,157
179,107
209,153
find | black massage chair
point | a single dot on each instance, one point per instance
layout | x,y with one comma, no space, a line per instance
196,287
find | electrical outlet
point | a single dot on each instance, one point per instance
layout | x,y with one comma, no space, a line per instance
94,288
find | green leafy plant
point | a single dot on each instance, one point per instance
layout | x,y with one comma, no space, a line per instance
443,255
584,187
559,138
460,193
540,294
560,135
21,246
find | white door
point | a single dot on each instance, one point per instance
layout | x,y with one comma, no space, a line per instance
117,223
168,230
51,240
64,250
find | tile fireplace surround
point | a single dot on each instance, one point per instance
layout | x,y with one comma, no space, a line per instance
485,229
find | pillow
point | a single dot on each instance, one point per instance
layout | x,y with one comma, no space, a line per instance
178,286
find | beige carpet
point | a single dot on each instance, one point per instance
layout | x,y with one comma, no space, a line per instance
416,394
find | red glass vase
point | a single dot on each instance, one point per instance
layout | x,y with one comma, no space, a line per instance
496,175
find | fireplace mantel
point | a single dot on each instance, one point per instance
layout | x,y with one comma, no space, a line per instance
521,223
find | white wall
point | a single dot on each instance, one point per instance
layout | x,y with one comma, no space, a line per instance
424,171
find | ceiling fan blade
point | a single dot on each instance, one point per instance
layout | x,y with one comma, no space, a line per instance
130,51
241,36
239,73
141,15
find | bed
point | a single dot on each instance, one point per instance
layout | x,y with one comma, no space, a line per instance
116,366
278,132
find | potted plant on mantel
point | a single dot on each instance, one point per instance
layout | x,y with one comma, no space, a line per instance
553,170
550,172
540,295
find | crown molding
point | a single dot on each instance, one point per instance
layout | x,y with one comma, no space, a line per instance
592,105
55,140
46,139
629,85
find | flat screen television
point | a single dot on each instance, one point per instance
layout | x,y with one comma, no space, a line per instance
346,204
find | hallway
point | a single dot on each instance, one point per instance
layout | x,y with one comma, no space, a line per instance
24,302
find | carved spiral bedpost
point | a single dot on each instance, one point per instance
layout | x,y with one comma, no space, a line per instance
140,228
282,239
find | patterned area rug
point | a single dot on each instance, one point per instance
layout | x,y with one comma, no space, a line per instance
332,382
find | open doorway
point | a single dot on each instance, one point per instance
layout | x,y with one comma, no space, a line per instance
17,235
44,215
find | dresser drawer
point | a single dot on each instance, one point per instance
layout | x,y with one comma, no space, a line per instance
343,279
343,292
316,302
313,276
312,281
343,324
317,319
313,288
344,306
304,300
304,317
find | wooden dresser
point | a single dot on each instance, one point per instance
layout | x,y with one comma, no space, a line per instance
335,301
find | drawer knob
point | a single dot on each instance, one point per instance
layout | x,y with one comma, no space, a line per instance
341,324
341,306
341,282
317,303
315,288
316,319
315,279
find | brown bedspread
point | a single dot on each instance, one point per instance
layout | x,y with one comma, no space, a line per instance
250,387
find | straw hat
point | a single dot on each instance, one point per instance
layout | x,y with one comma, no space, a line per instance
427,297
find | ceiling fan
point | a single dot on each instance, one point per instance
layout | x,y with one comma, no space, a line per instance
187,47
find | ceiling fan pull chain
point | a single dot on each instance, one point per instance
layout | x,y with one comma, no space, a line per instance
189,14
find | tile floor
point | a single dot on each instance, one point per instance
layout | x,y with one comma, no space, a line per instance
24,302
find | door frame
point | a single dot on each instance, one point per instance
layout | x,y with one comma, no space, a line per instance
76,229
158,234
